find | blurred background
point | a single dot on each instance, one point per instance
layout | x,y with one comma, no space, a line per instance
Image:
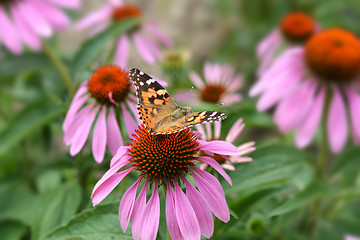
44,193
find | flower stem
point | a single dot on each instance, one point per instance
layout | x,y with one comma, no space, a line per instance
60,67
324,146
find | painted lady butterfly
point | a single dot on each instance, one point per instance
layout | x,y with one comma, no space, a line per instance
158,110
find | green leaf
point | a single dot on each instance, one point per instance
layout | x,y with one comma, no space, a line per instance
100,222
314,191
11,230
91,49
347,160
27,121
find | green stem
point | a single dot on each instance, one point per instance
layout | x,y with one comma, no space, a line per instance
60,67
324,146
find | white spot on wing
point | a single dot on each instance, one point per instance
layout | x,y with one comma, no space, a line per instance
150,81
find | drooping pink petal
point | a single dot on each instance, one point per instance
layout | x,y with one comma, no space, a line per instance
155,31
122,51
216,166
201,130
120,152
130,123
143,49
8,33
350,237
76,121
72,4
73,109
187,96
137,216
336,123
154,48
35,19
215,200
197,81
127,204
171,219
228,166
236,83
292,110
268,43
185,215
209,72
217,129
235,131
108,185
354,109
82,133
201,209
307,129
208,130
53,15
151,216
211,179
94,18
230,99
133,108
114,138
99,138
219,147
28,36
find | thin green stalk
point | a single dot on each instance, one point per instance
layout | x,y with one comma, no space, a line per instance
60,67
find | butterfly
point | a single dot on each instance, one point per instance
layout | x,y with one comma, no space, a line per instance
158,110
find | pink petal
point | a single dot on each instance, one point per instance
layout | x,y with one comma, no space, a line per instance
354,109
216,166
211,179
130,123
217,129
8,33
228,166
336,124
137,217
151,216
94,18
155,31
133,108
171,219
108,185
75,105
208,130
119,154
236,83
201,209
292,110
82,133
186,96
127,204
201,130
122,51
231,99
235,131
215,200
28,36
99,138
53,15
143,48
268,42
349,237
185,215
197,81
114,137
219,147
73,4
35,19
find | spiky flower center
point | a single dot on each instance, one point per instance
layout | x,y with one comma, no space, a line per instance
334,54
163,157
126,11
297,27
109,84
212,93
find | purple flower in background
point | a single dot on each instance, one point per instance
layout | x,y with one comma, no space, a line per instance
29,21
168,160
350,237
303,80
221,85
99,101
209,134
295,28
145,37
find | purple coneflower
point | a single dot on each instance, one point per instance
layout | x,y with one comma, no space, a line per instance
209,134
321,78
221,85
29,21
294,29
103,97
350,237
146,37
168,160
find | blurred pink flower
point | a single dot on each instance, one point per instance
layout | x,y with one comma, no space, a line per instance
145,37
226,162
350,237
298,82
106,92
294,29
28,21
168,160
221,85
